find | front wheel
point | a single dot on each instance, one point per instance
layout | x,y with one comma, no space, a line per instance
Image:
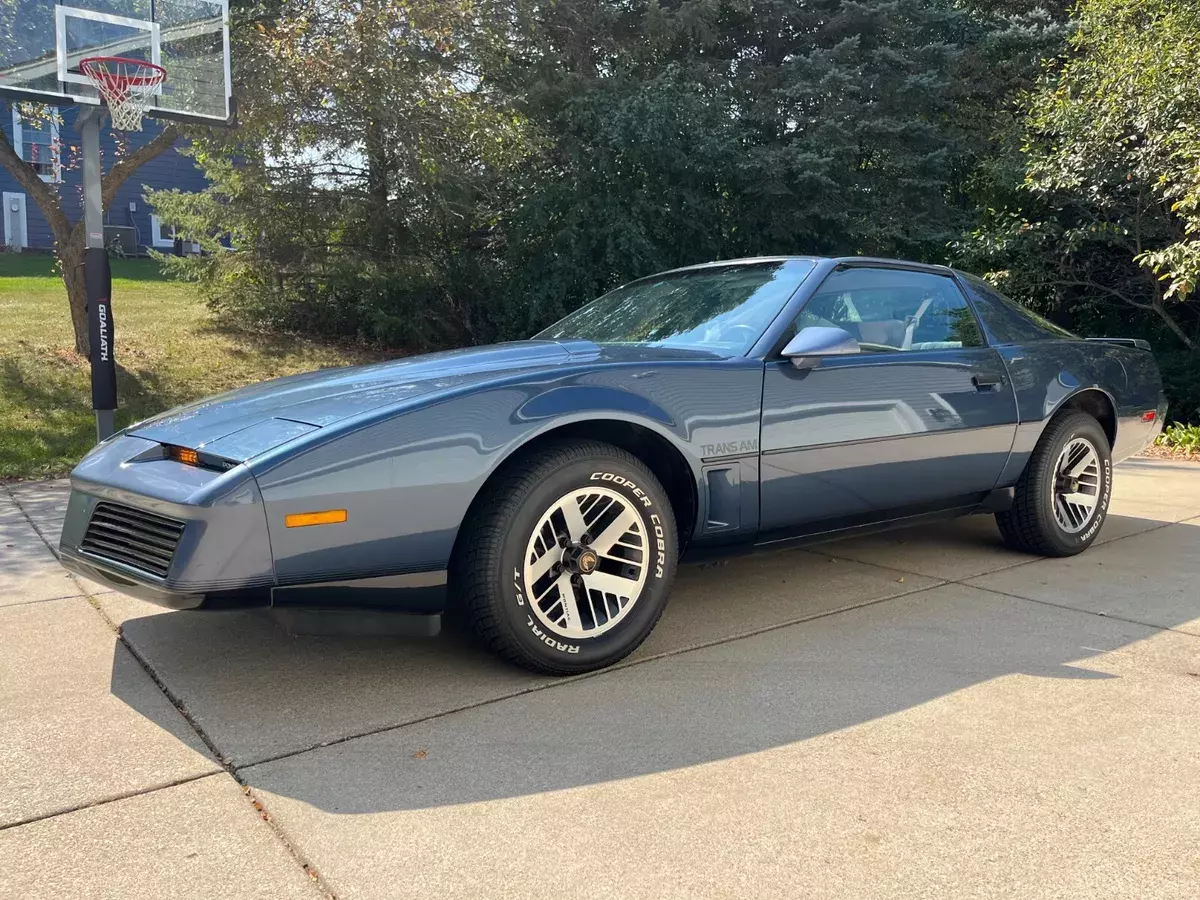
1062,496
566,562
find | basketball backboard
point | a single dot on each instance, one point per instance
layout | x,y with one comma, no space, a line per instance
43,41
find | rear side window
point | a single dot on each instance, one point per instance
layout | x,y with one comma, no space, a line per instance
1008,321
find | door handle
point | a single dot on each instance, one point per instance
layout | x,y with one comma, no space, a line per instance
985,381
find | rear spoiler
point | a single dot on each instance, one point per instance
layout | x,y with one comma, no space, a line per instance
1124,342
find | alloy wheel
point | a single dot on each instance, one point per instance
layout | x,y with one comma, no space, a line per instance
1075,491
585,563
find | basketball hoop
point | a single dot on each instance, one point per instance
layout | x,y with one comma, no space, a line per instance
127,86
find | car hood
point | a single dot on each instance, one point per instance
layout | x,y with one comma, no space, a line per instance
243,423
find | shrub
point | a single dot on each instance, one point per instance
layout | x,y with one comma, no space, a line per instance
1181,438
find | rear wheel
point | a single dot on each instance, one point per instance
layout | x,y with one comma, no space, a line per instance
1062,496
567,560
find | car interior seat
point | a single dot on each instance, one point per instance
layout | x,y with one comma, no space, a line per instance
889,332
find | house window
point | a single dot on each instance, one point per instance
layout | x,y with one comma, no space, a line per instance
161,235
36,141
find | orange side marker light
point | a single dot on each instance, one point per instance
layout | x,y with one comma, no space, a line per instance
327,517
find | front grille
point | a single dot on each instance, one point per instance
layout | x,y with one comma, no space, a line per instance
134,537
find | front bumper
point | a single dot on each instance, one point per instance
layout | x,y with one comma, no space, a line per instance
138,585
223,556
223,551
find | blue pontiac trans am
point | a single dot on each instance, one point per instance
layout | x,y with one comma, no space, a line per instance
546,489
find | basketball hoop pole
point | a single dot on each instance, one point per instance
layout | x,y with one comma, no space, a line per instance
97,278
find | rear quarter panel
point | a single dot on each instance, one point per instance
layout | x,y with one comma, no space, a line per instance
407,479
1045,374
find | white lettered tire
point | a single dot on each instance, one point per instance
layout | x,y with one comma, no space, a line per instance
565,564
1061,499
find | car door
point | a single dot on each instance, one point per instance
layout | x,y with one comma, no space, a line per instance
923,417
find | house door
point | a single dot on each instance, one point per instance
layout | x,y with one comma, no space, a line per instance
16,223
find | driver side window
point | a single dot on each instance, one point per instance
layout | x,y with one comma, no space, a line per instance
892,309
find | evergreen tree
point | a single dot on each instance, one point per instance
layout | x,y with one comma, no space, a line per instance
432,171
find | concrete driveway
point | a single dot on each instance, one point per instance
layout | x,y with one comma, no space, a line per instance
918,714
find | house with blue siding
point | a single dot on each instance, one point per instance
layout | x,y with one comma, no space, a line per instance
131,226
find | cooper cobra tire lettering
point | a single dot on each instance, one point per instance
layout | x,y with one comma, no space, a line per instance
1103,512
661,542
623,482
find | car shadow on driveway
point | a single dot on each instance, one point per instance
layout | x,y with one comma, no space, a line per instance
317,719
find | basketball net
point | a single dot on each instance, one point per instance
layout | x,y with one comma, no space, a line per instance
127,86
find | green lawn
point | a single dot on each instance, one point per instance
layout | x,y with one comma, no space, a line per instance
168,351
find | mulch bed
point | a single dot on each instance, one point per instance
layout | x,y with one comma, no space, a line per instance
1157,452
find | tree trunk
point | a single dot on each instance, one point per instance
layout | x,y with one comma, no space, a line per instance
68,235
1173,325
71,260
377,189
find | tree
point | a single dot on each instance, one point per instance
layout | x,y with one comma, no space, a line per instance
69,241
1109,205
366,154
672,132
430,171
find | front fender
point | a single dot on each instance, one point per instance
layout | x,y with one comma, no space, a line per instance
408,480
572,399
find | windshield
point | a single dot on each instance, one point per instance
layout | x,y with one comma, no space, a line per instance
724,309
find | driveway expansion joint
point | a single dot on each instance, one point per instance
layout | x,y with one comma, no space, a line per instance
32,524
1088,612
308,868
21,603
1005,568
104,801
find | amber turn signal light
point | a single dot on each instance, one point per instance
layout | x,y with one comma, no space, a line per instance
328,517
184,455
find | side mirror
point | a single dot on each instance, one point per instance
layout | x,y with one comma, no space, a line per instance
806,348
